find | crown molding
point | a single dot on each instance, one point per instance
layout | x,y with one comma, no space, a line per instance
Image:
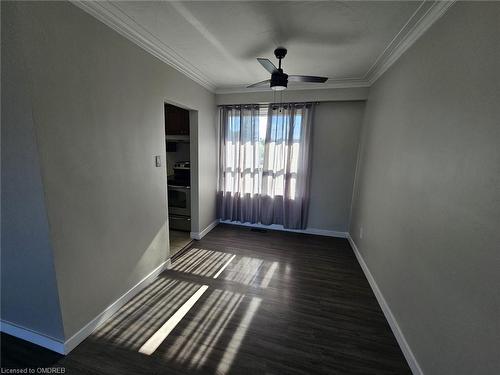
421,20
114,17
424,16
332,84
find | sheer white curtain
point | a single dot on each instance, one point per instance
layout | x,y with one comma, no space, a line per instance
285,177
265,163
240,164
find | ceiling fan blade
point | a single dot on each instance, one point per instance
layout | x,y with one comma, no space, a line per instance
268,65
261,83
312,79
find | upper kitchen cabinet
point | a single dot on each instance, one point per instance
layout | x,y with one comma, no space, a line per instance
176,120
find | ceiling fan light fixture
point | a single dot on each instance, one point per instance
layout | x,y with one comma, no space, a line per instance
278,88
279,80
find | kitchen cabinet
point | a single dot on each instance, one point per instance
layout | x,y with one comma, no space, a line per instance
176,120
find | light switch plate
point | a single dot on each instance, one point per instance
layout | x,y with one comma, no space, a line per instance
158,160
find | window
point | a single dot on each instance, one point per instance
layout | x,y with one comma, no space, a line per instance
264,156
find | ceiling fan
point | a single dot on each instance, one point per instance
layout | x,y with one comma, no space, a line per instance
279,80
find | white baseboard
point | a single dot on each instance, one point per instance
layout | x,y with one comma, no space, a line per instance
403,344
319,232
203,233
100,319
323,232
32,336
68,345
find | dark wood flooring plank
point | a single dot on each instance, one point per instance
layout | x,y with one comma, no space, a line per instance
287,303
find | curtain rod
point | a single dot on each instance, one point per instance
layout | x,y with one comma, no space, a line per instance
265,104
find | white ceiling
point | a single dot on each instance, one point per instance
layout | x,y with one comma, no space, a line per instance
216,42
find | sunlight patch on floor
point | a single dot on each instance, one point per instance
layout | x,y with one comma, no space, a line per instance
133,305
155,341
197,339
161,334
238,336
269,275
222,318
201,262
224,267
244,271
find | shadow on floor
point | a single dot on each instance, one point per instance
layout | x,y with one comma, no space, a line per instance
241,302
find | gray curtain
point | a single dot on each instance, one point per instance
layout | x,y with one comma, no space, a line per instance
239,160
264,168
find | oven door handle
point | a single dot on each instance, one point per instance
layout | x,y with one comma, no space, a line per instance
179,187
179,218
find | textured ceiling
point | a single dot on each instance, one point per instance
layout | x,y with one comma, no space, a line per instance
221,39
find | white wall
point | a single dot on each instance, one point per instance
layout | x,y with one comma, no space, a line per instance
97,106
291,95
428,192
336,132
28,281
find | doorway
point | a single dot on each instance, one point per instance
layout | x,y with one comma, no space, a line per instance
179,182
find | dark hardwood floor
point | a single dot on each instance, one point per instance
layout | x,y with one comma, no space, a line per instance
286,303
